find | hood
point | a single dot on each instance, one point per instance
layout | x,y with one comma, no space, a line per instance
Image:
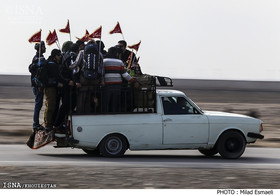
218,113
229,117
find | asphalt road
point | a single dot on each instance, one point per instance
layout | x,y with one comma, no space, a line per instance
21,155
70,168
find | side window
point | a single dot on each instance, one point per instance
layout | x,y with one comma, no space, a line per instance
177,105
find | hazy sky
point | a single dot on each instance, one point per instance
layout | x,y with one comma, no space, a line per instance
197,39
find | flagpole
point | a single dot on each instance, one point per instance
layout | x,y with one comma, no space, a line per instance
135,56
123,36
40,45
100,45
100,40
69,29
100,49
130,60
39,57
57,44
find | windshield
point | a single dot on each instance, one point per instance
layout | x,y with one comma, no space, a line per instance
192,102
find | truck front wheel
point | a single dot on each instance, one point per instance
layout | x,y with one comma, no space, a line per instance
113,145
208,152
231,145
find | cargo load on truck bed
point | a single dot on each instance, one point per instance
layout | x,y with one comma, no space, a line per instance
141,99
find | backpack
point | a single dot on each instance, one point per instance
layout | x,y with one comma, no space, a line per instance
91,62
37,69
68,58
144,96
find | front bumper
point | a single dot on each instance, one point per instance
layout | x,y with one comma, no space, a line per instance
255,135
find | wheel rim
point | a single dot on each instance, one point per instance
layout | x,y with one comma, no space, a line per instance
233,145
114,145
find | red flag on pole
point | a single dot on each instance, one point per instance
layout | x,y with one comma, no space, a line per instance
36,38
55,35
129,60
96,33
85,38
66,29
117,29
51,38
135,46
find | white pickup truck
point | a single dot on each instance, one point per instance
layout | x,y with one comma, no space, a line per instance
175,123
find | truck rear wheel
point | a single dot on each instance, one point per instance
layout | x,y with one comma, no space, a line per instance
231,145
113,145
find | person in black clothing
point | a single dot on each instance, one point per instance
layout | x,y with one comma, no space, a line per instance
125,53
51,81
88,89
59,93
124,57
37,86
102,46
66,46
68,90
81,44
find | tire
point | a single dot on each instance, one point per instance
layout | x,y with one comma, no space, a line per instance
231,145
94,152
208,152
113,145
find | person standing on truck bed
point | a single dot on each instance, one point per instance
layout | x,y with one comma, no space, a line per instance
114,72
125,53
101,47
89,76
51,82
67,91
37,86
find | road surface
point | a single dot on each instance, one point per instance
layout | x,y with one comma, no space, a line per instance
21,155
72,168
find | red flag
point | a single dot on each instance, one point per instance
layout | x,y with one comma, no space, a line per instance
51,38
129,60
87,33
55,35
135,46
85,38
36,38
117,29
66,29
96,33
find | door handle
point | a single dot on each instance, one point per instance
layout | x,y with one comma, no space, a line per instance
167,119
